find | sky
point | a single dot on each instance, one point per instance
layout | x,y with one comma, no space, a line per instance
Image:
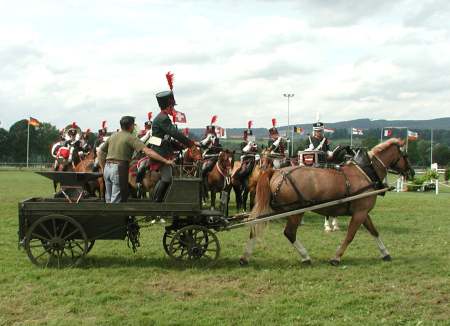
88,61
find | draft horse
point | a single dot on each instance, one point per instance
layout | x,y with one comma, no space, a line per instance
303,186
244,188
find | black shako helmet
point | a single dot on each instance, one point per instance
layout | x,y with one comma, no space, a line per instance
165,99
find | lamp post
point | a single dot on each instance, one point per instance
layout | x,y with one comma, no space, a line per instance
289,95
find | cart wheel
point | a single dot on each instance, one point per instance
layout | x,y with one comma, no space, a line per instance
167,239
56,241
91,244
194,242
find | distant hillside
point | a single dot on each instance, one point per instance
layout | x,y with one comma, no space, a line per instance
441,123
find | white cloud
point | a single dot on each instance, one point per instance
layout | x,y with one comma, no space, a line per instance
90,61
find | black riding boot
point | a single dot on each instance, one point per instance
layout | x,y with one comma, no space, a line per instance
160,191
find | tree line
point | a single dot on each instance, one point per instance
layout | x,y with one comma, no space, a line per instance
13,143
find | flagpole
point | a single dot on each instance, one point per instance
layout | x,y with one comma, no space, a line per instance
28,141
431,149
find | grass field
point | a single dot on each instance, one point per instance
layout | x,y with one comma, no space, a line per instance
116,287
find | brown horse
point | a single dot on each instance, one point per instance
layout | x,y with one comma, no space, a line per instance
219,178
191,156
303,186
87,165
243,189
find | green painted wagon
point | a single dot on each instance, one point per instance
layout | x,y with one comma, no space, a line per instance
61,231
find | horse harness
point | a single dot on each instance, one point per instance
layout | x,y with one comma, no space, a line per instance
302,202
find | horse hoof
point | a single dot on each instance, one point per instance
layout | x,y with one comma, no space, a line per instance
306,262
387,258
243,261
334,262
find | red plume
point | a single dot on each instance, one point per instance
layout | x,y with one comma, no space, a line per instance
87,131
186,131
274,122
250,123
174,116
214,119
74,124
149,116
103,124
169,77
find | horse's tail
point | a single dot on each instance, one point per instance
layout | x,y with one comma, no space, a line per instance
262,201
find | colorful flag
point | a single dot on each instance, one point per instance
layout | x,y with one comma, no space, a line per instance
299,130
180,117
34,122
357,131
412,135
387,132
329,130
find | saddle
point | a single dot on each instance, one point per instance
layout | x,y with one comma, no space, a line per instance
148,164
363,160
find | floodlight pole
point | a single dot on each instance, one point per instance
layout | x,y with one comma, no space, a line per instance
28,141
289,95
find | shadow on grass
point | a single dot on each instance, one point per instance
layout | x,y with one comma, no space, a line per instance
258,264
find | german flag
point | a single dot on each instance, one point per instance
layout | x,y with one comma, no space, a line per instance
34,122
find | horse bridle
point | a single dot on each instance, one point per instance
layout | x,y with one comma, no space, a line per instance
393,168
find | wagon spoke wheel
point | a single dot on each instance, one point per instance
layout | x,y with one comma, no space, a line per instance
194,242
56,241
167,239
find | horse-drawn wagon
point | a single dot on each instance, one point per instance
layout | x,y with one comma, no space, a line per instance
61,231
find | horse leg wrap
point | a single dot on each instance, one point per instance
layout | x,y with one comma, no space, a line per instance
249,248
335,224
326,225
380,244
301,250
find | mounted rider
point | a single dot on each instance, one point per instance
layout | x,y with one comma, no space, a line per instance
318,142
69,145
146,133
212,148
249,149
101,138
164,135
277,146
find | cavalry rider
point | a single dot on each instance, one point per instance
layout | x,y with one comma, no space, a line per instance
318,142
142,165
102,132
164,132
249,155
277,146
212,148
70,143
145,134
118,150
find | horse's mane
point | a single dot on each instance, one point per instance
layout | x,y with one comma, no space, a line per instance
385,145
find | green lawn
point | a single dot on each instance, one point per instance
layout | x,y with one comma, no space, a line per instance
116,287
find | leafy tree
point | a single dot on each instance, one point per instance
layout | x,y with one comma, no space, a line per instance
441,154
41,139
3,144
